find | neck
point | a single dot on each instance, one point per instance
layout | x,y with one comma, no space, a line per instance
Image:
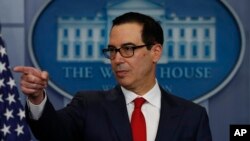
143,88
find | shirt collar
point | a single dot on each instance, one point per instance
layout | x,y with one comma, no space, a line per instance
153,96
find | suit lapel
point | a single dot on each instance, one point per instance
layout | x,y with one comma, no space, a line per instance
115,106
169,118
116,109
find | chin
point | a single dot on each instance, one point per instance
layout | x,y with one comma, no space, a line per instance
123,82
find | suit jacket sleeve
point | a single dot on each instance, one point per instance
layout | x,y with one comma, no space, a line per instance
58,125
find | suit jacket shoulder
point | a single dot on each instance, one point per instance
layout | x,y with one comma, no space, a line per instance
181,119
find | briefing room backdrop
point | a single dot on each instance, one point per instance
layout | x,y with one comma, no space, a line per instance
226,23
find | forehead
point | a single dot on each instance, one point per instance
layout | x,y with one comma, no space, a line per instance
124,33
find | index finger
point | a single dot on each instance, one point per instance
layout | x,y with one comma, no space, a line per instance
27,70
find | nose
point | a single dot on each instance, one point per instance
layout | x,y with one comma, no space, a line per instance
118,58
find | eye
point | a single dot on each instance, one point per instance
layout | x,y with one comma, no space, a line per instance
128,48
111,49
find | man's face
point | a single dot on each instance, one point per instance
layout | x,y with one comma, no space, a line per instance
139,70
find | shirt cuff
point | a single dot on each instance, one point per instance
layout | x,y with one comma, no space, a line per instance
36,110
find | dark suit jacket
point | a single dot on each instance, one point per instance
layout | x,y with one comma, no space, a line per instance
102,116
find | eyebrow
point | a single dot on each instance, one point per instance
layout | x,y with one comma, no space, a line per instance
124,44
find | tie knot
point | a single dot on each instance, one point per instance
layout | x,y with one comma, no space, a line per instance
138,102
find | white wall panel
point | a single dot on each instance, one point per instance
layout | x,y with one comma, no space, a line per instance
12,11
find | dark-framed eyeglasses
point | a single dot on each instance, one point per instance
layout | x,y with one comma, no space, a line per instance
126,51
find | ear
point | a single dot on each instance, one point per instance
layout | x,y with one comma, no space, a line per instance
156,52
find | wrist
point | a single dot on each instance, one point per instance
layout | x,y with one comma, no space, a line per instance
37,98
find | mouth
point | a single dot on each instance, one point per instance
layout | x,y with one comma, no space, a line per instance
121,73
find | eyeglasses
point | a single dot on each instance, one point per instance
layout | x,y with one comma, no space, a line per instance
126,51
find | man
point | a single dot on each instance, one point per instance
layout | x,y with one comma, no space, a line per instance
135,47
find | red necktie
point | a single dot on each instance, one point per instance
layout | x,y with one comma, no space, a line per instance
138,123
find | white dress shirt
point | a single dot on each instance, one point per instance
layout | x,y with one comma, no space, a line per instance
150,109
36,110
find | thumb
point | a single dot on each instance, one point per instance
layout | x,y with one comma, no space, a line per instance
45,75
